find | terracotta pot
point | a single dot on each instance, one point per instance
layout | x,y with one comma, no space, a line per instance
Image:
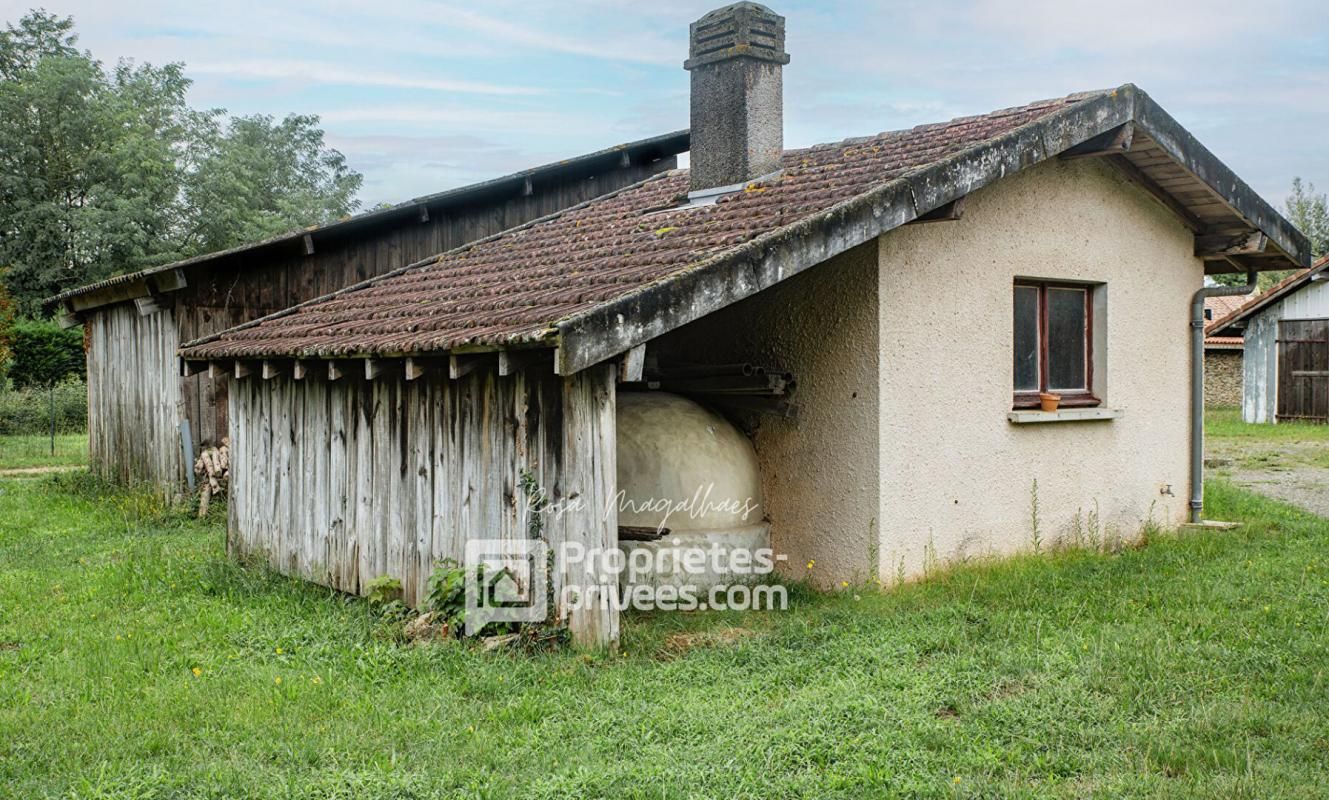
1049,402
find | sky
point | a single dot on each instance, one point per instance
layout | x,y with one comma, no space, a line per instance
424,96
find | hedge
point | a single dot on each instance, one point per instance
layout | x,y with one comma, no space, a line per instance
45,354
28,411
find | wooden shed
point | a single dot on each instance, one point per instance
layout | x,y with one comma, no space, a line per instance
139,402
1285,354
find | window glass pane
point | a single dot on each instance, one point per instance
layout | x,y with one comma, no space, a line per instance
1026,339
1066,368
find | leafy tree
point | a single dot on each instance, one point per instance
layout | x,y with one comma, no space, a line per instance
1309,211
104,171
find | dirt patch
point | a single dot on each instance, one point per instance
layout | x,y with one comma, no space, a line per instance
680,643
1291,471
20,472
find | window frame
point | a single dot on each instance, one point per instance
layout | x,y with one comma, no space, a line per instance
1070,398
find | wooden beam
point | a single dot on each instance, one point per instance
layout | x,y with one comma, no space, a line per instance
334,371
513,361
1113,142
1222,245
423,213
1136,176
309,244
948,212
414,369
462,365
190,368
375,368
217,371
527,188
243,370
272,369
299,369
67,320
632,364
624,160
146,305
169,281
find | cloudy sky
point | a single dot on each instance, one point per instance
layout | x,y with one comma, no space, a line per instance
422,96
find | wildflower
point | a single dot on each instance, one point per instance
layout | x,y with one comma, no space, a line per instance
956,779
277,680
316,680
812,563
278,651
844,584
197,672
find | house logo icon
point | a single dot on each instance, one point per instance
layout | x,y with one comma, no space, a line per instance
506,581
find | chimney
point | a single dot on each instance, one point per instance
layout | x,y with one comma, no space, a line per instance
735,55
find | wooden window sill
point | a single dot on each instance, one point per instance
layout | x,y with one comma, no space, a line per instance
1033,415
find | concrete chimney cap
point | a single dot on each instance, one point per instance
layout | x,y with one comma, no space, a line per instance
741,30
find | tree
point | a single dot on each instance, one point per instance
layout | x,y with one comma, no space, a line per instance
110,171
1309,211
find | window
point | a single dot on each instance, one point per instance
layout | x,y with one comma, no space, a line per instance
1054,343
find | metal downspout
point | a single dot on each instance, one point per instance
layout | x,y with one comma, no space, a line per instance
1197,384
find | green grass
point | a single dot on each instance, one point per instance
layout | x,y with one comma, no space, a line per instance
1225,422
16,452
1195,666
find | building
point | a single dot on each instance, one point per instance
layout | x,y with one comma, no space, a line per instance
1222,355
1286,348
138,401
406,416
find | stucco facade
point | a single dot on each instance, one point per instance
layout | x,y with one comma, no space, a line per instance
819,473
957,477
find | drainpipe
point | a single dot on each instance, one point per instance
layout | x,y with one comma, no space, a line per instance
1197,384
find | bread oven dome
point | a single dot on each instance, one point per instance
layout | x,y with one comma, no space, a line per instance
685,468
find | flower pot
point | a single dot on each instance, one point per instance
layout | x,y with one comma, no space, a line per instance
1049,402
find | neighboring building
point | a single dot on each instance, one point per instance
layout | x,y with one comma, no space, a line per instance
137,397
412,414
1222,355
1286,348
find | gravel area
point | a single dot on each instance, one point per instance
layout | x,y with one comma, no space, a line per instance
1292,471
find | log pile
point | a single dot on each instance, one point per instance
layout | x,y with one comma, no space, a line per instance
213,469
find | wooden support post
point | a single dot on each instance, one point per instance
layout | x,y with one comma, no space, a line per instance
423,213
272,369
414,369
242,370
299,369
527,188
217,370
590,448
624,160
309,244
334,371
632,364
374,368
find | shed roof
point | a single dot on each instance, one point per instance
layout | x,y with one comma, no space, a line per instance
1232,321
655,147
599,278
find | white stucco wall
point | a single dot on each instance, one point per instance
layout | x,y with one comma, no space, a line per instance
956,476
819,474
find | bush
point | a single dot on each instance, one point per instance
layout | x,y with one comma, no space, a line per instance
44,353
28,411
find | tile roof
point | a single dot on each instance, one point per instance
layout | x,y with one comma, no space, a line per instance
1250,305
515,286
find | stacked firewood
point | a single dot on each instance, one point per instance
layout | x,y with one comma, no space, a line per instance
744,386
213,468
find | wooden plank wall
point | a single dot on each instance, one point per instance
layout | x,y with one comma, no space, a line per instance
227,294
134,402
339,482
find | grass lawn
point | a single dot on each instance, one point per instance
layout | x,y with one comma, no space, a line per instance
17,452
136,661
1224,422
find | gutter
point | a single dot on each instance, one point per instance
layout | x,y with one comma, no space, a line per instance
1197,384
